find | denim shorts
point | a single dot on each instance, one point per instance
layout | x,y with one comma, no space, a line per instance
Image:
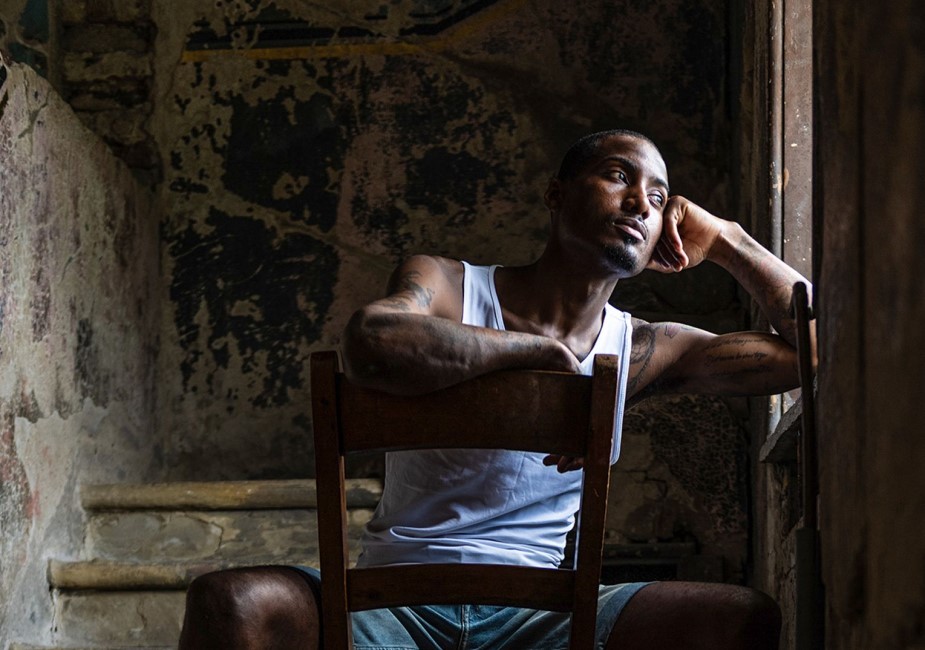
477,627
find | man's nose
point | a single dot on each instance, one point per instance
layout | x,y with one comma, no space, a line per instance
635,202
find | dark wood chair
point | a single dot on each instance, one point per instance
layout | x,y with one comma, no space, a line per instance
547,412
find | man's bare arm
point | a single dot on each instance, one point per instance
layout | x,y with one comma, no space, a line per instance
413,340
676,358
673,358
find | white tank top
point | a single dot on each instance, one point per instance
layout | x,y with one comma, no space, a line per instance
476,506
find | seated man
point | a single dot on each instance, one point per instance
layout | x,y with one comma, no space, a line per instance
445,321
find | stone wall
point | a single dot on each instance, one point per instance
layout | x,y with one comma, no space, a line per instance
78,336
107,73
28,35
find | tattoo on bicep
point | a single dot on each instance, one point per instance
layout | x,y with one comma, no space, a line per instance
423,296
398,303
671,330
641,353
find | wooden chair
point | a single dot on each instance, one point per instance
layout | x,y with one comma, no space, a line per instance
546,412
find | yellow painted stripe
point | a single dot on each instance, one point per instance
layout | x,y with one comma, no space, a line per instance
453,35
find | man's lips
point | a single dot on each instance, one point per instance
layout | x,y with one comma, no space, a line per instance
632,227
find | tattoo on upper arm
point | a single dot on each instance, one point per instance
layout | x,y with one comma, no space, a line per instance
671,330
641,354
407,283
398,303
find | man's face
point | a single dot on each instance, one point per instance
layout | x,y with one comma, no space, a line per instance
612,209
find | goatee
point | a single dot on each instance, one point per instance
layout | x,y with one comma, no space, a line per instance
621,257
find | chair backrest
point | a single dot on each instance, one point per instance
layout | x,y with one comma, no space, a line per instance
547,412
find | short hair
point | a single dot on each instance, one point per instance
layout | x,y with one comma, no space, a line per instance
587,146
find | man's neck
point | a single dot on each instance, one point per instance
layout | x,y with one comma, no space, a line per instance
549,298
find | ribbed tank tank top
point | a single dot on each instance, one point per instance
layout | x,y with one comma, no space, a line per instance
477,506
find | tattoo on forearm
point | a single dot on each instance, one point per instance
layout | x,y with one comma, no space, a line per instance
770,282
734,357
735,341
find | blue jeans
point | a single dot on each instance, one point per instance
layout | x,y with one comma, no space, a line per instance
482,627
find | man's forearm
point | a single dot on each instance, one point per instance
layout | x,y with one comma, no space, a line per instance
763,275
412,353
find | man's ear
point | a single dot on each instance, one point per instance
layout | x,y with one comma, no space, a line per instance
553,195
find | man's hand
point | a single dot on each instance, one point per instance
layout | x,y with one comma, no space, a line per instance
688,235
564,463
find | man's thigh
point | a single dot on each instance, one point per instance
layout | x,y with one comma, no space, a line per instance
697,616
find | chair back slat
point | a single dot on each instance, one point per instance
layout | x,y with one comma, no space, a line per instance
455,584
532,408
547,412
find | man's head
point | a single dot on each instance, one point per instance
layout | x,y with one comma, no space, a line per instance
587,147
607,200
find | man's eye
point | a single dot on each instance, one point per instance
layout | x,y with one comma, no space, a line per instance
620,176
657,199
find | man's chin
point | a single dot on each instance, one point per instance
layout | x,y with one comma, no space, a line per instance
624,259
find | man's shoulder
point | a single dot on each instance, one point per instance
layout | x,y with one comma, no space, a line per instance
434,263
438,274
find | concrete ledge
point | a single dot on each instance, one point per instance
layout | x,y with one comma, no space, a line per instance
101,575
223,495
25,646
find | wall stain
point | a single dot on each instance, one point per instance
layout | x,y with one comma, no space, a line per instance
89,374
284,156
268,295
4,98
33,119
16,511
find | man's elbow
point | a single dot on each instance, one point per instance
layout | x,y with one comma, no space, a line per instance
359,348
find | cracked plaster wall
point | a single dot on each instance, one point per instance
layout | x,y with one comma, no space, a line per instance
78,319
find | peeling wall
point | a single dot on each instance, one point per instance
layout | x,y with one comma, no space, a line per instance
78,319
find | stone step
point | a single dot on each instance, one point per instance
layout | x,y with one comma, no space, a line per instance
102,575
210,536
230,521
120,618
148,542
222,495
23,646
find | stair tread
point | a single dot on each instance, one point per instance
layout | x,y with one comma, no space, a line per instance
142,576
216,535
27,646
222,495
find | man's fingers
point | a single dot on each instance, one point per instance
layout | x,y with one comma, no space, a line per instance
564,463
568,464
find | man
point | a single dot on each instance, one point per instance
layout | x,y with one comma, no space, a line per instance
445,321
